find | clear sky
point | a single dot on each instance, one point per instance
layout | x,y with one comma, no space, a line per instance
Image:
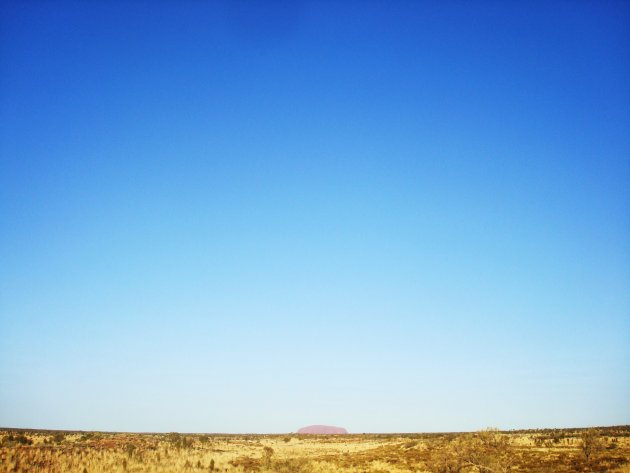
255,216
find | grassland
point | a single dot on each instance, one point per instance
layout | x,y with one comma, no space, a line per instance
568,450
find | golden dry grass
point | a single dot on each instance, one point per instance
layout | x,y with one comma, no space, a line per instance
487,451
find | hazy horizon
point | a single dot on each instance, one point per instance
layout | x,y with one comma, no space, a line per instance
294,432
251,217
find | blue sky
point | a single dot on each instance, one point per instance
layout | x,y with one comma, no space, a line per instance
389,216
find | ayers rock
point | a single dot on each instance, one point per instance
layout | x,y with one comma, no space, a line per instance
322,429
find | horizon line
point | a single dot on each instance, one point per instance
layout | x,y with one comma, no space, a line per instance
31,429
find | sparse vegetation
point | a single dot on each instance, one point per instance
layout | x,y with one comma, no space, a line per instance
591,444
488,451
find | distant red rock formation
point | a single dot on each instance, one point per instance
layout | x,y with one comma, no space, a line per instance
322,429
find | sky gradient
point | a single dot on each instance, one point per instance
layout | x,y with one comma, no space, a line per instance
388,216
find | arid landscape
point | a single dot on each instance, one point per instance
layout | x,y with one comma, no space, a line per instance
314,236
564,450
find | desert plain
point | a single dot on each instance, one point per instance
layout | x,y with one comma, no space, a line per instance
605,449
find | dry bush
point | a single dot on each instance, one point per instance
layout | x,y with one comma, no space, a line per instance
486,451
591,444
246,463
292,465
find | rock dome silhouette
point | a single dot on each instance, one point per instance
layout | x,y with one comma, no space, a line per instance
322,429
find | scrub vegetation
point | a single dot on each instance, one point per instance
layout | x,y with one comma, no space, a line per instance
488,451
